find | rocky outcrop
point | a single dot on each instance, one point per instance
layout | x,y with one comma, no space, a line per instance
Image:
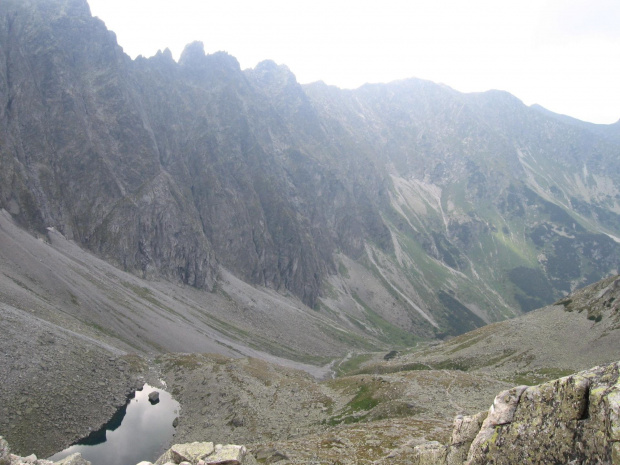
205,453
575,419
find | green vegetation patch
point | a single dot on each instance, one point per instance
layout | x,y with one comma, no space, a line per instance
533,288
352,364
459,318
382,369
472,363
389,332
357,409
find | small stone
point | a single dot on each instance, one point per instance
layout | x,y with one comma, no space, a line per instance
237,422
154,397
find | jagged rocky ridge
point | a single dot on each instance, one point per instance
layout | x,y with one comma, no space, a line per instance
454,210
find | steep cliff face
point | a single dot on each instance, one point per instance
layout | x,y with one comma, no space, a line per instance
394,209
162,167
259,169
77,148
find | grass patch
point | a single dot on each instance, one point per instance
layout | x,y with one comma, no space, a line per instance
389,333
352,364
357,409
387,369
472,341
136,363
187,361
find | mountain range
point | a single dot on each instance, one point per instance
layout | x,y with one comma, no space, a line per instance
241,236
393,207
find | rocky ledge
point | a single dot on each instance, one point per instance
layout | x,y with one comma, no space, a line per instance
195,453
575,419
204,453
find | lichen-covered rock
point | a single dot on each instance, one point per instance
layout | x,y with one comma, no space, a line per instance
575,419
613,399
466,428
464,432
501,412
504,406
560,421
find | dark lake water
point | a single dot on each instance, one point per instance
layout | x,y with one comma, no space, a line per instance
139,431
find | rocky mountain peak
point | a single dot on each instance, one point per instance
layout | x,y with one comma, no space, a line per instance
193,54
268,72
165,55
194,57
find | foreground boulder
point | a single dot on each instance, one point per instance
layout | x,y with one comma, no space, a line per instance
575,419
205,453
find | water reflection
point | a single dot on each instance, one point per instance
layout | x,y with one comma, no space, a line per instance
138,431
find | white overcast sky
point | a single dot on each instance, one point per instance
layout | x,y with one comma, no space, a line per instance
561,54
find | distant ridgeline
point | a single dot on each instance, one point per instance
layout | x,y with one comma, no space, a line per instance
399,207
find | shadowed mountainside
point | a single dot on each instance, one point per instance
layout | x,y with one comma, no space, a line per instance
397,209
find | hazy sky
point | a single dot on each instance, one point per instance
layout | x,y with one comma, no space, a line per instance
562,54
